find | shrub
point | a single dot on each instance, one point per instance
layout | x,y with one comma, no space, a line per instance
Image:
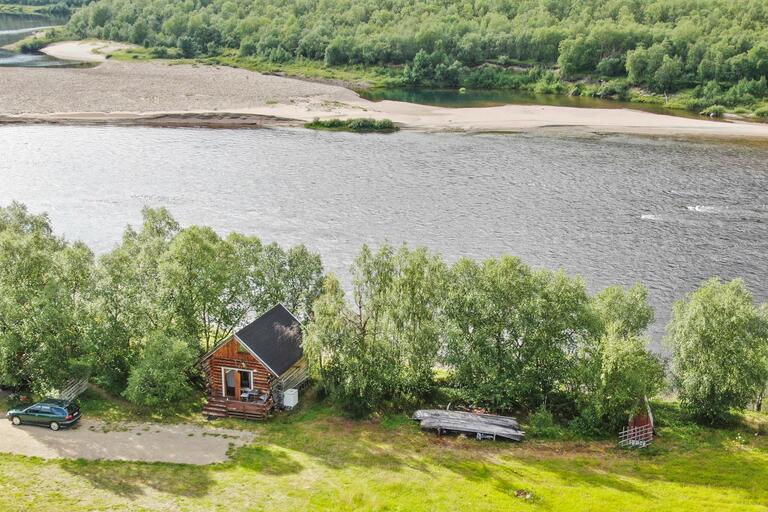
162,375
353,125
187,47
160,52
247,47
713,111
762,111
614,89
32,46
542,424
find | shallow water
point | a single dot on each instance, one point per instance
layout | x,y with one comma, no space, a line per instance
473,98
614,209
14,28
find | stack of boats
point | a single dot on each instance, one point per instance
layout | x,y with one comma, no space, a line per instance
482,426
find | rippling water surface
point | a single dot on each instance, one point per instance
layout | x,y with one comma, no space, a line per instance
614,209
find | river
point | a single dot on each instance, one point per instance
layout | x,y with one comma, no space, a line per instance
15,27
615,209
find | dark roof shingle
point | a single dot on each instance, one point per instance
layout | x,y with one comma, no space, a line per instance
275,337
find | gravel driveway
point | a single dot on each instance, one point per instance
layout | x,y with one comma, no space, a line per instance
147,442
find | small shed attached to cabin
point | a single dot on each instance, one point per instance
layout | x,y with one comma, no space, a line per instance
248,372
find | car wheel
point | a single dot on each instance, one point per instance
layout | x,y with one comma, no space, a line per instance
16,420
54,426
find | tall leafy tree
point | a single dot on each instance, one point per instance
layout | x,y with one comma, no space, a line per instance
380,347
617,371
514,332
629,373
719,343
45,320
627,309
204,285
293,277
128,297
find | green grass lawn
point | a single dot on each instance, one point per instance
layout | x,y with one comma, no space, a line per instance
314,459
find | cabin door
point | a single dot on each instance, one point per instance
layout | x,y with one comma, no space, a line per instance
235,382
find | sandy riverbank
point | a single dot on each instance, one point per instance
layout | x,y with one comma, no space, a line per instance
163,93
84,51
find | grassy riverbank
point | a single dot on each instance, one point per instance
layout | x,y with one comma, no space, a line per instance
316,459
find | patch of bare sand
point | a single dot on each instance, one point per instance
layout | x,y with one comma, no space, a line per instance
519,118
84,51
150,87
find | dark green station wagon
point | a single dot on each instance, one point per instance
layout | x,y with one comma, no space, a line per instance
54,414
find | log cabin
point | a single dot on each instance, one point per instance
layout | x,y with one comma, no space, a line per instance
248,373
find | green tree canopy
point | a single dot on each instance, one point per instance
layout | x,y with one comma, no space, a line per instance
660,44
190,284
381,347
514,332
719,341
627,310
45,284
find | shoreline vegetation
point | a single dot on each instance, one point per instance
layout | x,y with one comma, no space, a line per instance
573,366
359,125
710,59
415,330
156,92
360,78
60,9
707,57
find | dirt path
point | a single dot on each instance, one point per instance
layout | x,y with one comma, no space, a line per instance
147,442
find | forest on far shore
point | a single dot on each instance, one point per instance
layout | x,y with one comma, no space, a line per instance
710,54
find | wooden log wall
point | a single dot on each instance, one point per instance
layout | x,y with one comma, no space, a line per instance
230,356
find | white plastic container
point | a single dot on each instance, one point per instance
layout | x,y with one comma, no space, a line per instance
290,398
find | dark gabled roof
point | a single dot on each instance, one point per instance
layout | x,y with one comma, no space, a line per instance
275,338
